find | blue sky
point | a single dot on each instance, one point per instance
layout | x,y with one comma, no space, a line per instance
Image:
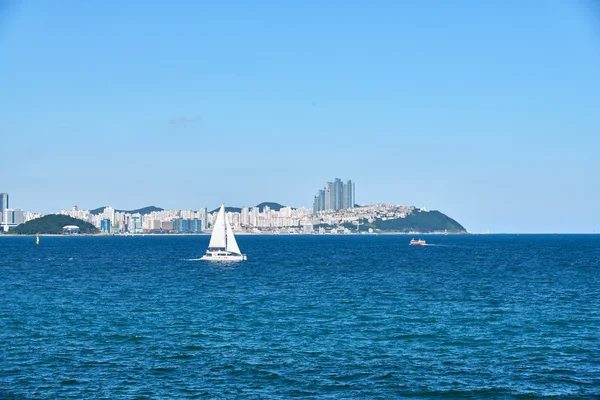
487,111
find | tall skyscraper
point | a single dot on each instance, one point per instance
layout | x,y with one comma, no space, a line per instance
319,202
348,194
327,204
3,204
338,194
321,199
345,196
335,196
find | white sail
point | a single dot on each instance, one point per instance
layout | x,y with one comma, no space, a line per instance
232,245
223,246
217,239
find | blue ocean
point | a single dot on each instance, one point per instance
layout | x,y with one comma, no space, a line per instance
323,317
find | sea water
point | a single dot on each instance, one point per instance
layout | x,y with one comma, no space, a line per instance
364,316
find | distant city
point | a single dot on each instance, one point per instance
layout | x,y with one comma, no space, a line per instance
334,205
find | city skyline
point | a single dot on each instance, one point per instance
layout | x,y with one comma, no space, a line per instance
338,214
262,218
19,215
486,111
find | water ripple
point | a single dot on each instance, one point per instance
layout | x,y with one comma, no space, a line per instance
306,316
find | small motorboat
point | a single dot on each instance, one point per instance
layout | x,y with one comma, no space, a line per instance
419,242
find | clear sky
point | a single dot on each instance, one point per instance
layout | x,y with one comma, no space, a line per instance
488,111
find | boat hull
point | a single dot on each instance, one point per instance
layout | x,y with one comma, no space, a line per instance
222,256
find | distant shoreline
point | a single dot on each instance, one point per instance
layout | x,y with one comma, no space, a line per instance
237,234
300,234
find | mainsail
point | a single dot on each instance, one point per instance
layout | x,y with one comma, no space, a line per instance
217,239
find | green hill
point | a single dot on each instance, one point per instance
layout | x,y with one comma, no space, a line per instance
421,221
273,206
418,221
142,211
52,224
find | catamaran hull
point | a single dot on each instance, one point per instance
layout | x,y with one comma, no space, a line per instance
224,258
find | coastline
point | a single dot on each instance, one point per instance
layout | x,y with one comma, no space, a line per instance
305,234
237,233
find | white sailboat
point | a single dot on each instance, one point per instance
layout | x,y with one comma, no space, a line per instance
223,246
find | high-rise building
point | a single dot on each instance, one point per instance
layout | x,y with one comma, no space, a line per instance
187,214
245,218
105,225
348,199
181,225
319,203
135,223
195,225
3,201
335,196
254,212
327,203
3,204
345,197
110,213
13,217
338,194
203,217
